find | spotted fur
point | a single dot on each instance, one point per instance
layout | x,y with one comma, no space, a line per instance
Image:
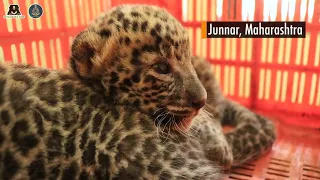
129,108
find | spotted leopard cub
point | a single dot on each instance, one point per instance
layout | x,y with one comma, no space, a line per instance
131,107
122,112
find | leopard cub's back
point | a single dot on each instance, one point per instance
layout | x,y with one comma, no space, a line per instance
55,127
51,124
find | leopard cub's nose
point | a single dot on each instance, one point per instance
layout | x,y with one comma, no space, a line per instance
198,103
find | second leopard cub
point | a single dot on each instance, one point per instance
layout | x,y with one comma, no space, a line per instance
135,105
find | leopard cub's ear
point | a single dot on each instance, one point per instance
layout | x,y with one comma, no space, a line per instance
89,53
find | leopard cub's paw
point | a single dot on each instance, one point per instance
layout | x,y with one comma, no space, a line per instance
221,153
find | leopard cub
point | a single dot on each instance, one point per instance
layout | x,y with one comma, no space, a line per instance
135,104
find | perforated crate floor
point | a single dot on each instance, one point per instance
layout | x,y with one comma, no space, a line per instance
294,156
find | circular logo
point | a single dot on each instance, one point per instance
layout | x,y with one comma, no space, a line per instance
35,11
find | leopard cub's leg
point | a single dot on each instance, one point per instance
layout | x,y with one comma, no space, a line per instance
207,126
210,134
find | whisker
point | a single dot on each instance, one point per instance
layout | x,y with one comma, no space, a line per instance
189,134
168,134
161,114
160,121
181,131
158,110
177,128
164,117
173,136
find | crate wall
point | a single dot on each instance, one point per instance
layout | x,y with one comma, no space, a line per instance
279,75
45,41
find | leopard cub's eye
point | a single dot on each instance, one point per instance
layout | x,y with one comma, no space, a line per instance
162,68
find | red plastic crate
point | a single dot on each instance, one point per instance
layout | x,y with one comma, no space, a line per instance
45,41
276,77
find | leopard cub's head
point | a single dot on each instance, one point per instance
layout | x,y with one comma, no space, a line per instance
140,55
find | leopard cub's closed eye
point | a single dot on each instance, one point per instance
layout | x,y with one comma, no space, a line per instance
162,67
